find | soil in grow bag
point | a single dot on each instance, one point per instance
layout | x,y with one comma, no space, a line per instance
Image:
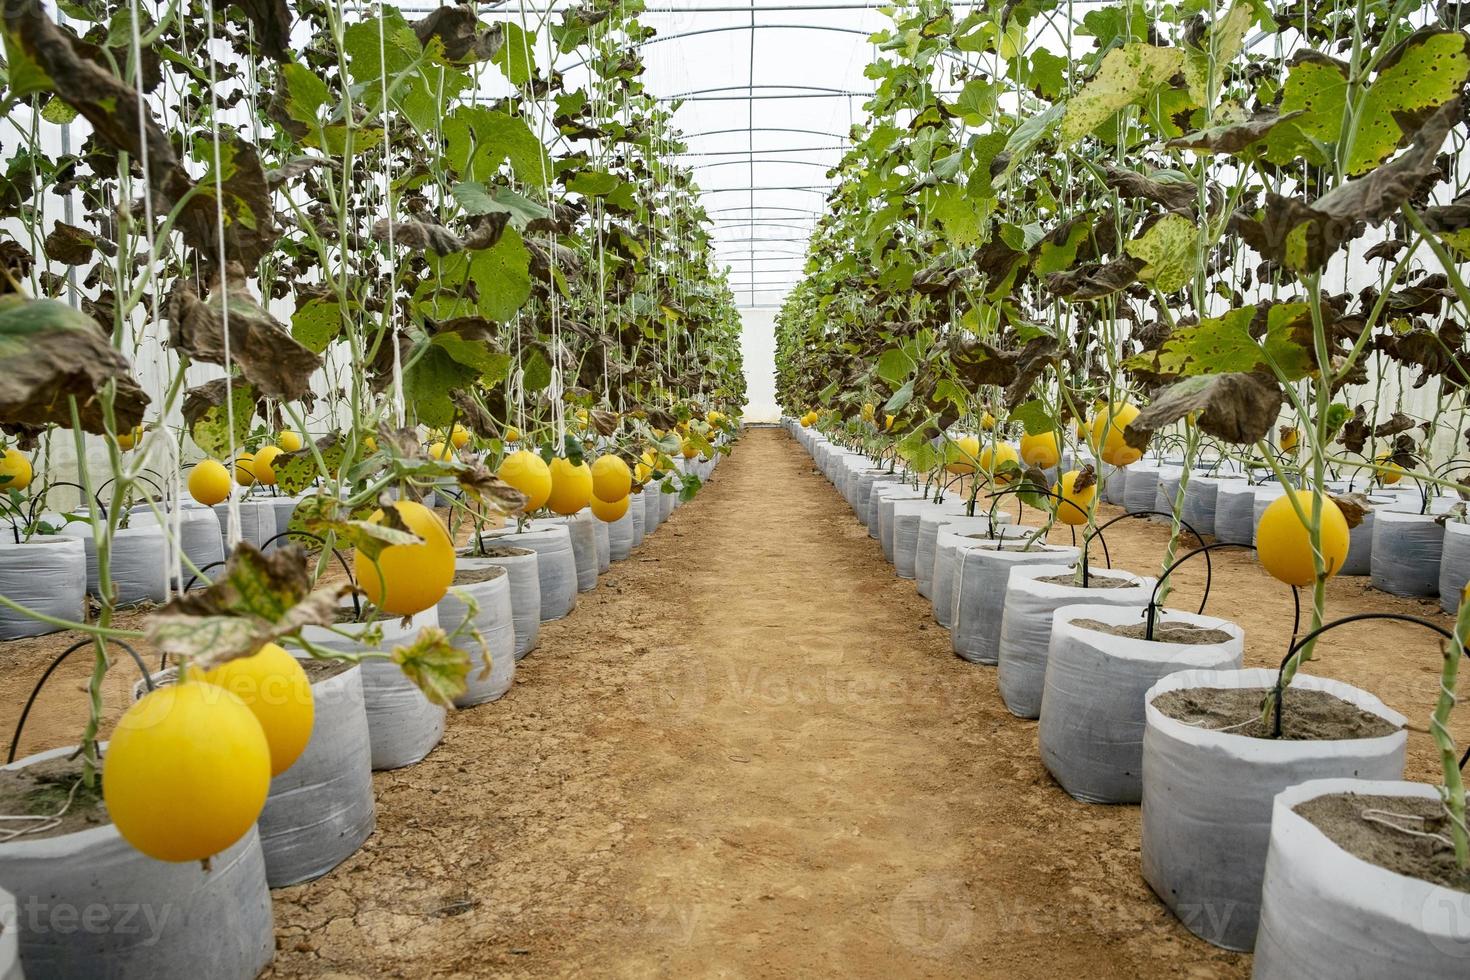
474,576
1340,816
1164,631
42,789
491,551
1306,715
323,670
1095,580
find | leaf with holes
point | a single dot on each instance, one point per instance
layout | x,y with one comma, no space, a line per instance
1170,249
258,599
434,665
208,417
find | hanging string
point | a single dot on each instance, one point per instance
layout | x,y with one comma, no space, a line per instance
173,518
232,502
399,409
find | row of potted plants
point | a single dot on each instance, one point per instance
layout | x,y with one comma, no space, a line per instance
1249,835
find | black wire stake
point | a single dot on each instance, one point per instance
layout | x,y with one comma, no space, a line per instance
39,497
1279,689
1153,606
1026,488
10,507
30,701
156,488
1098,533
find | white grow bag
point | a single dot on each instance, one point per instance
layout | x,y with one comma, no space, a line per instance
556,564
1328,915
1406,553
1026,619
1091,732
1207,799
493,669
521,564
321,809
403,724
981,574
48,573
90,905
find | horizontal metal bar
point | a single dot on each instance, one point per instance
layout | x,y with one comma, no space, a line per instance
822,189
762,87
763,207
764,129
746,163
756,150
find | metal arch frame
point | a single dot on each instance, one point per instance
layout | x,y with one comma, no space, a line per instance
741,88
835,94
680,35
765,207
772,149
799,163
765,129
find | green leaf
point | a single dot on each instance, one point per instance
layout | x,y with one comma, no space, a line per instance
502,274
427,381
210,430
296,471
492,365
689,486
1127,76
976,101
1171,249
947,391
917,451
1028,135
316,323
536,371
956,214
1427,71
900,398
25,75
1220,45
594,183
894,366
1035,417
517,56
1224,344
1021,238
1048,73
478,140
1055,258
306,95
59,112
478,199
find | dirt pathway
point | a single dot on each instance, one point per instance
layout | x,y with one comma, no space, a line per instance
749,753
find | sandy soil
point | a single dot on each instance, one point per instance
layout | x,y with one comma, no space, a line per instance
751,753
